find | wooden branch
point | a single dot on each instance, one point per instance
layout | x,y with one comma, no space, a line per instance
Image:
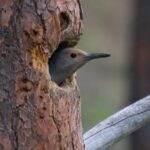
118,126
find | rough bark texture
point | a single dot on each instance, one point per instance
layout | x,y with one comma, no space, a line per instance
35,113
141,68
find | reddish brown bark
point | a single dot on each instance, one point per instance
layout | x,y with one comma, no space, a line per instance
35,113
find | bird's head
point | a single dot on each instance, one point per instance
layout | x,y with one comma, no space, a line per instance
66,61
74,58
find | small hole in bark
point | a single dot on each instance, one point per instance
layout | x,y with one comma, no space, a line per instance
44,108
24,80
41,97
64,20
35,33
26,33
41,117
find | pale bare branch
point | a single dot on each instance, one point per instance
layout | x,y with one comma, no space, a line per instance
118,126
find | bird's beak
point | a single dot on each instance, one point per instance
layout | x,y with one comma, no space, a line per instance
92,56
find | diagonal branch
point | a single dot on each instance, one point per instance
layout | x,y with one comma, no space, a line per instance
119,125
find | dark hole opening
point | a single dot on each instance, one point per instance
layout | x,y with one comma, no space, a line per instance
64,20
35,33
62,45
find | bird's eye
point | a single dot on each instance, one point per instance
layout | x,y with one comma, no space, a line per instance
73,55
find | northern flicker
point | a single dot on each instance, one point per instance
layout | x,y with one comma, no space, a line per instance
65,62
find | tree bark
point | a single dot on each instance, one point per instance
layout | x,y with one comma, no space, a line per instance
35,113
140,77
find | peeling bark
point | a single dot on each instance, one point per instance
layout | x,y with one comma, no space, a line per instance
35,113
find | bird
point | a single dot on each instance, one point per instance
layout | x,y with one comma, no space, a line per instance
64,62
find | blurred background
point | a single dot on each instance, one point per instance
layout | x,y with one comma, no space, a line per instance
121,28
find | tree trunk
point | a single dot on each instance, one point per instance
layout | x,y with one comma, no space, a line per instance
35,113
141,68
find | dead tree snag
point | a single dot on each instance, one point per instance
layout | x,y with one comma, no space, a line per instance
35,113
